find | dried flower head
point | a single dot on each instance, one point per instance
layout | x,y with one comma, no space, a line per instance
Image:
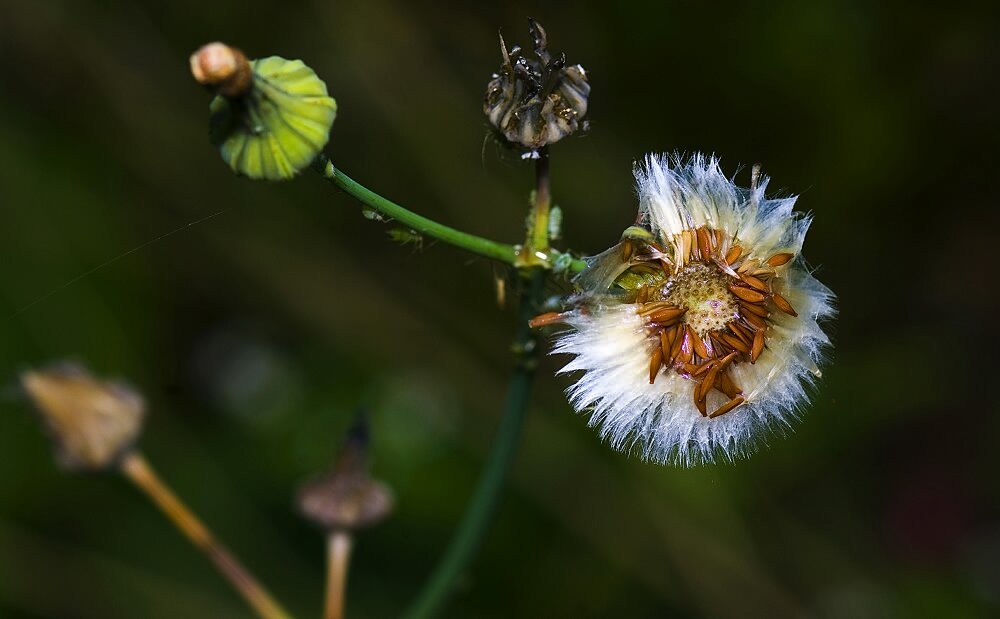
272,116
92,422
347,498
697,333
535,102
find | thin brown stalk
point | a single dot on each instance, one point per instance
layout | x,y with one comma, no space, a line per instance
135,467
338,546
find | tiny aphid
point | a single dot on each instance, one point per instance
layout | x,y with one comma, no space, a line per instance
555,223
373,215
407,236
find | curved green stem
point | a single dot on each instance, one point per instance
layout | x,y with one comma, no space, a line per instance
502,252
480,510
423,225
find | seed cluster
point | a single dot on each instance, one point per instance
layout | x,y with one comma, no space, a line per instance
711,311
703,291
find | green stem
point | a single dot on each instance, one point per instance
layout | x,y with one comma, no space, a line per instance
508,254
481,508
538,236
423,225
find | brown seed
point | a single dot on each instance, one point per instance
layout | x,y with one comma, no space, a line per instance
666,314
754,308
754,320
708,383
702,369
649,308
642,295
733,254
704,243
666,266
688,236
741,332
686,348
698,343
719,236
548,318
755,283
627,250
675,346
700,404
783,304
690,368
720,346
758,346
726,385
728,406
666,341
725,360
656,246
747,294
734,342
654,364
779,259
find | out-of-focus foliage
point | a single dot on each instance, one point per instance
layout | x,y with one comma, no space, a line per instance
256,333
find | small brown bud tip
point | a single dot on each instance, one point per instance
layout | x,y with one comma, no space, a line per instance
222,67
92,422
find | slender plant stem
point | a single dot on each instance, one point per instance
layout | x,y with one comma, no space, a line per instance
538,240
338,550
469,242
135,467
508,254
478,514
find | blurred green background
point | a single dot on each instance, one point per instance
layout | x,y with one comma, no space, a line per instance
257,333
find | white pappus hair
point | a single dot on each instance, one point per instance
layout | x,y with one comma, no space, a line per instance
611,341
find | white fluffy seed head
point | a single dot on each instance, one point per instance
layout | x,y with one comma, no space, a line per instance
611,344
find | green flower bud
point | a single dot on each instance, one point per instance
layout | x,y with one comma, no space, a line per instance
276,124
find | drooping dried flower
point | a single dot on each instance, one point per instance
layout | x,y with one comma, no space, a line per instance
93,423
347,498
697,333
271,117
535,102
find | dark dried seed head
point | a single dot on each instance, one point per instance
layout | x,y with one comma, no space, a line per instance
533,102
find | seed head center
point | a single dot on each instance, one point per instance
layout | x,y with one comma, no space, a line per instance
703,291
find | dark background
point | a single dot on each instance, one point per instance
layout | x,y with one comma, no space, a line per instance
257,333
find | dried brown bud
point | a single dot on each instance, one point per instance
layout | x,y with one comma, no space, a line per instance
535,102
346,498
222,67
92,422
